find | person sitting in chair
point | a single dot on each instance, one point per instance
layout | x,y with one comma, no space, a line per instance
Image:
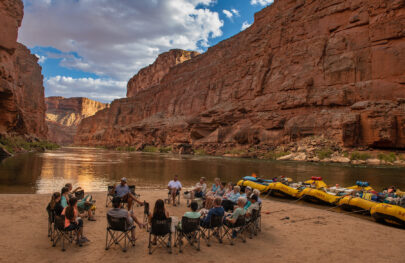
64,197
55,205
159,213
199,189
193,213
239,211
122,191
84,204
174,187
230,200
217,210
254,205
73,221
118,212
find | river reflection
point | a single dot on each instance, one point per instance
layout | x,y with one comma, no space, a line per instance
94,169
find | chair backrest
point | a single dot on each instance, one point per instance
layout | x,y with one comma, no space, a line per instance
60,222
79,194
189,225
146,208
132,188
161,227
254,215
51,214
216,221
110,189
117,223
240,221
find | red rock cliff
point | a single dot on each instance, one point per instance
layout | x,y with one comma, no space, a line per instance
22,107
63,115
153,74
305,67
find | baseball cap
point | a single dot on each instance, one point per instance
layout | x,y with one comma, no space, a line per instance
124,179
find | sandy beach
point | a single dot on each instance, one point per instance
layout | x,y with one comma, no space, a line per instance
309,235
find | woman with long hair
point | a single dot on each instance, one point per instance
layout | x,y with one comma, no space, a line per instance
73,221
159,211
55,205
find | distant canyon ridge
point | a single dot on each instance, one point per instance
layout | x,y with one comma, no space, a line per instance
330,68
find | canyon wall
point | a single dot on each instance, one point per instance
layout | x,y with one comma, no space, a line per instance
22,106
333,68
63,115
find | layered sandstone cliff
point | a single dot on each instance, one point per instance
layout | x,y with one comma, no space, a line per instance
63,115
22,106
305,67
153,74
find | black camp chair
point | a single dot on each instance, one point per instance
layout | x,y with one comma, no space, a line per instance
239,228
60,233
146,214
252,224
161,230
51,221
190,230
169,198
214,229
118,230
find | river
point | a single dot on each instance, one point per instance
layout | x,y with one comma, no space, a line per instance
93,169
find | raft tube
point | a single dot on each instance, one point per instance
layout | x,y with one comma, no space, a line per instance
318,183
280,189
254,179
318,196
392,214
262,187
351,203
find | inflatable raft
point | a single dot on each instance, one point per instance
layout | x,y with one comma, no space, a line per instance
351,203
361,186
261,186
389,213
319,196
280,189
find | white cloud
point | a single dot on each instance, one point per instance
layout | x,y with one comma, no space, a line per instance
41,59
114,39
245,25
227,13
261,2
104,90
235,11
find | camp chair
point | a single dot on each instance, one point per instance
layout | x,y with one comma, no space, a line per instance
239,227
213,229
252,223
51,220
190,229
118,230
146,213
161,230
60,233
169,198
259,219
110,195
79,194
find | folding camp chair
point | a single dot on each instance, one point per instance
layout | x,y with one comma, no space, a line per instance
146,214
79,194
51,220
238,228
214,229
118,230
161,230
60,233
259,219
252,224
190,229
110,195
169,198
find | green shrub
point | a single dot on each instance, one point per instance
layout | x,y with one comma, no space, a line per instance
236,151
14,144
359,156
346,154
150,149
391,157
323,153
125,149
200,152
165,149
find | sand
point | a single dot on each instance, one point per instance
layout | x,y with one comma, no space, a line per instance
309,235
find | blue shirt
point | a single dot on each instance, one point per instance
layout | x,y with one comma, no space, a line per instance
63,201
121,190
234,197
214,188
217,211
248,203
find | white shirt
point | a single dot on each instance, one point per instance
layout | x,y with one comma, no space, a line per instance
174,184
203,187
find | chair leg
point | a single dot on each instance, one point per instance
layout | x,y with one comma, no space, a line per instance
150,244
198,240
170,243
106,241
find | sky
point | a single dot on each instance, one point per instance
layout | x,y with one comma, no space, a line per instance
91,48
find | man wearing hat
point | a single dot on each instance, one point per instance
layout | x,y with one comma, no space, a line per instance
199,189
122,191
